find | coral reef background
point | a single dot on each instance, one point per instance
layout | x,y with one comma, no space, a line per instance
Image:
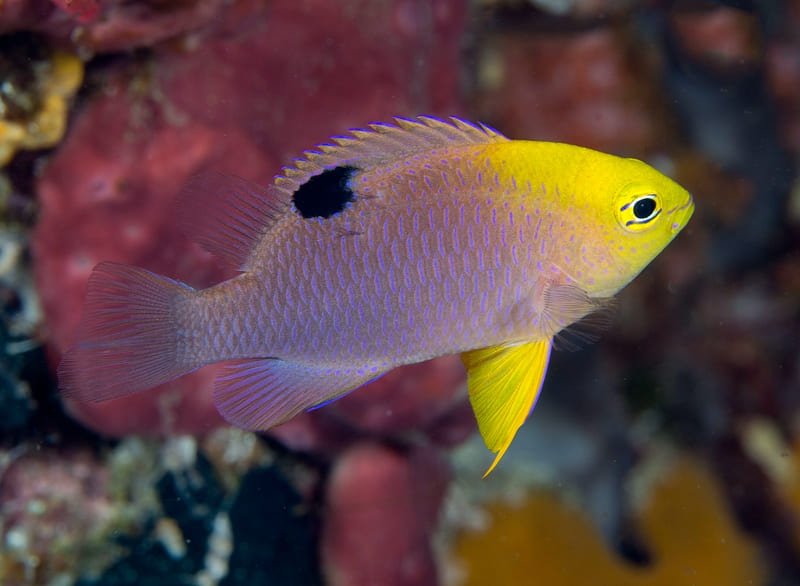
666,453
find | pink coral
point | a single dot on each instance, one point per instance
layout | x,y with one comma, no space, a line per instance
382,509
84,11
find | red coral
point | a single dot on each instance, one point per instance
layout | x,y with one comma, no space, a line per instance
382,509
83,10
110,25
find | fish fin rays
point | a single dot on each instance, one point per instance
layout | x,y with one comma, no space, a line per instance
504,383
261,393
380,142
573,317
228,215
586,330
129,336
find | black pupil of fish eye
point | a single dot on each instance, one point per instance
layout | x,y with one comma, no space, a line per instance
644,208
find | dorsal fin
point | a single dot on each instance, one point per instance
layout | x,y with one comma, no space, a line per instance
229,216
381,142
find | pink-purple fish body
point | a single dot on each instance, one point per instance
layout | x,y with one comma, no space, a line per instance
389,247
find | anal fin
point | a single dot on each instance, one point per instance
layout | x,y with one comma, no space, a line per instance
504,383
261,393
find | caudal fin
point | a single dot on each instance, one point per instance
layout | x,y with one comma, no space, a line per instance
128,339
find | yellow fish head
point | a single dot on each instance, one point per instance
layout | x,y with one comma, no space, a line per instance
633,211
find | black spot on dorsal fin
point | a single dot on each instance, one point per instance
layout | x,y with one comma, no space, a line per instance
379,144
325,194
230,216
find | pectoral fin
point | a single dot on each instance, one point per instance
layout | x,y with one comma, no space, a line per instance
504,383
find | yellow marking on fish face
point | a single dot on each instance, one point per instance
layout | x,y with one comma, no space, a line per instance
612,215
638,213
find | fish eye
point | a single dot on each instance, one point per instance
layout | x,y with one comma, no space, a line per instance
644,207
636,213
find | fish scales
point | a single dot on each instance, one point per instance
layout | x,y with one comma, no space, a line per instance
369,292
390,246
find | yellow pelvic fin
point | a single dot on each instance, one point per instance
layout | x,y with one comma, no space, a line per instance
504,382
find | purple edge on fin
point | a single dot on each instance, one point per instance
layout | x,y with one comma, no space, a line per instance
343,395
541,382
260,393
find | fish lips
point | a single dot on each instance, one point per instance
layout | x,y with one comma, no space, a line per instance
681,215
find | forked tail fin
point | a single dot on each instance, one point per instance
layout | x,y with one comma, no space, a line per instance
129,337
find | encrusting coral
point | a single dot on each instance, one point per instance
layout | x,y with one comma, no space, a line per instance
34,104
683,521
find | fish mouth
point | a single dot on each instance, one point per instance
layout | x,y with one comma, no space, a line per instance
682,214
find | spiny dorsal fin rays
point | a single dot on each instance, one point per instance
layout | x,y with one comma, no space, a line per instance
230,216
365,148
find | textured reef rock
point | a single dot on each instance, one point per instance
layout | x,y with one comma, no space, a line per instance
37,84
203,535
16,403
96,26
179,513
45,532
